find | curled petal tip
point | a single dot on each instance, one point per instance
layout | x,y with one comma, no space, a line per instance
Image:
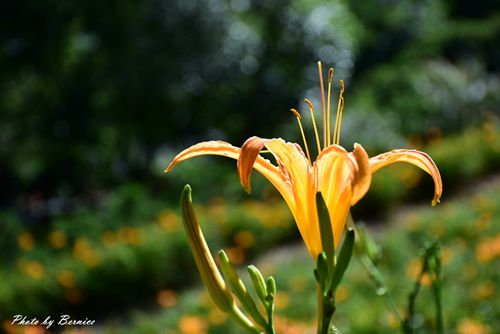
248,154
169,167
247,187
417,158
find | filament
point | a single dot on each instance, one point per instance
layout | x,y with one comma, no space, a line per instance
296,113
311,109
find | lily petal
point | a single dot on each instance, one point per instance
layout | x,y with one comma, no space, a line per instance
299,175
249,153
213,147
334,175
263,166
363,176
417,158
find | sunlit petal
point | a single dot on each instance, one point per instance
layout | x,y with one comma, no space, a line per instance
334,174
299,173
263,166
417,158
214,147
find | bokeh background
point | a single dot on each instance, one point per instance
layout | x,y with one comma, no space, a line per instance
96,97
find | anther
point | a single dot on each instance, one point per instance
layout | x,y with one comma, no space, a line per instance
295,112
311,106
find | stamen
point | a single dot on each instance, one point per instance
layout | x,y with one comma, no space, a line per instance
296,113
311,109
328,112
338,120
322,87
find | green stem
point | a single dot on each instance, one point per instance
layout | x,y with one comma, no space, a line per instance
377,278
326,309
439,307
243,321
407,326
431,255
436,287
270,318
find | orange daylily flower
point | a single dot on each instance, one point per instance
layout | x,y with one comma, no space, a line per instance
342,177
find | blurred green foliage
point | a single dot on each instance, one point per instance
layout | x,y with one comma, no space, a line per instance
135,243
96,98
470,240
81,265
93,94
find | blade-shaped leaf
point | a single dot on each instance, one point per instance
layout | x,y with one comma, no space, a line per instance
326,232
344,259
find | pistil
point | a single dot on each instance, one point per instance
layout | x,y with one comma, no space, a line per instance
329,124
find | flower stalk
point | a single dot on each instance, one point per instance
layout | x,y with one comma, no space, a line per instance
210,275
250,318
431,265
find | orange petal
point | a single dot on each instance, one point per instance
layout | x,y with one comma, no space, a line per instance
214,147
295,166
334,173
263,166
417,158
249,153
363,175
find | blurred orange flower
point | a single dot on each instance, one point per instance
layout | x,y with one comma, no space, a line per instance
469,326
26,241
166,298
192,325
488,249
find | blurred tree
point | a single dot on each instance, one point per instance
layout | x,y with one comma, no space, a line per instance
90,90
424,68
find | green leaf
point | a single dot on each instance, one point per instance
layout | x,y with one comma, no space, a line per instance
322,271
327,237
325,229
344,259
